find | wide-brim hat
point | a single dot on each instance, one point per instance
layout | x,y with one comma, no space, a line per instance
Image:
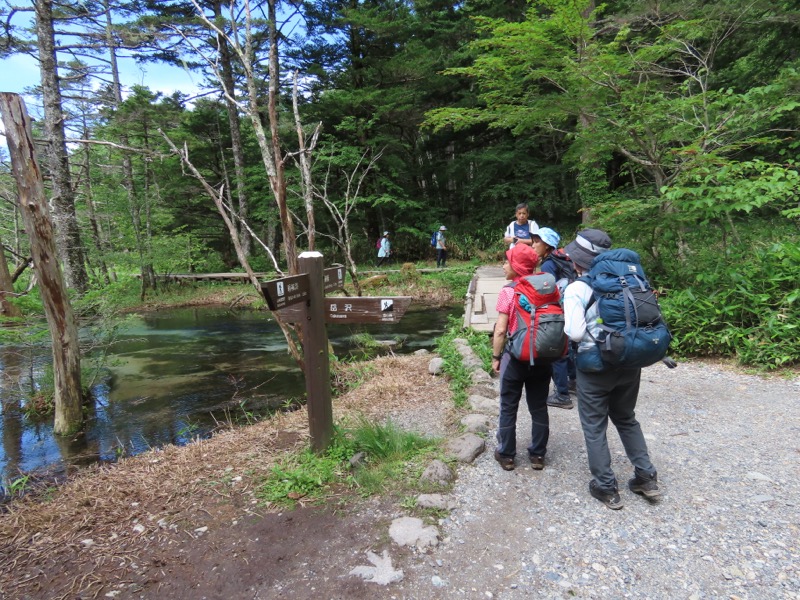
588,244
385,233
442,228
523,259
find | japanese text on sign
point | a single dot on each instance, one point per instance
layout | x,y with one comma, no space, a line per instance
334,310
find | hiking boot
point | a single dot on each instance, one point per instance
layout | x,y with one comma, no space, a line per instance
537,462
647,485
572,385
559,401
610,498
506,462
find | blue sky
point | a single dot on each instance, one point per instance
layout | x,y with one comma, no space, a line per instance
21,71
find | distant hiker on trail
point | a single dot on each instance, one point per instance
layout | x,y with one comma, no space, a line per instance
441,248
545,243
521,261
609,392
521,229
384,249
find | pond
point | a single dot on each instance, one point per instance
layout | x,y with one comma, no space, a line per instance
176,374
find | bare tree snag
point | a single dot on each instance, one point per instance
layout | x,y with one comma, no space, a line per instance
233,232
69,237
60,318
7,309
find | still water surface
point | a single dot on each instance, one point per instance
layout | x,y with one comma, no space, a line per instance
173,375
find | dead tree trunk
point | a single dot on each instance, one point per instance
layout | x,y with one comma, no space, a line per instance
7,309
235,125
304,160
69,238
60,318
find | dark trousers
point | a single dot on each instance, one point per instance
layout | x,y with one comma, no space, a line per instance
514,375
441,257
611,395
563,371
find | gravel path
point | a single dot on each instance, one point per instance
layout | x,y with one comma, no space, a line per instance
727,449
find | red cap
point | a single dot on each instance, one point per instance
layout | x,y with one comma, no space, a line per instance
523,259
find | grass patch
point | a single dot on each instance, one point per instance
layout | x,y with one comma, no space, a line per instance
347,375
392,461
460,377
441,286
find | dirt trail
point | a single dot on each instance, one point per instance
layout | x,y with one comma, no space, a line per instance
182,523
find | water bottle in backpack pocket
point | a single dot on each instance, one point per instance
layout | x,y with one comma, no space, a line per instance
624,322
539,336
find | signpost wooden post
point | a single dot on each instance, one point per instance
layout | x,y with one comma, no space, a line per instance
315,352
301,299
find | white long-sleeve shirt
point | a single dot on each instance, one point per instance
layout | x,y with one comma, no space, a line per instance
576,298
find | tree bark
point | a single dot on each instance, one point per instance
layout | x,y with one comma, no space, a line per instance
235,125
278,182
63,200
304,159
7,309
271,153
60,318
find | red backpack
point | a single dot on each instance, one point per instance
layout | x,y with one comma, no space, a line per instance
540,320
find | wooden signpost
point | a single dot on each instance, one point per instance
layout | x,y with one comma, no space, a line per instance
281,293
387,309
301,299
333,278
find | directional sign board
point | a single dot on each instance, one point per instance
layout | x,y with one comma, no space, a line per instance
389,309
333,278
281,293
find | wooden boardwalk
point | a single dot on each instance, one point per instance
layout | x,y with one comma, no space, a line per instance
237,277
481,299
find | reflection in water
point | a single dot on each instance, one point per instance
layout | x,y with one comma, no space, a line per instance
172,376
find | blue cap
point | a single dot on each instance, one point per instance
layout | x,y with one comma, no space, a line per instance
548,236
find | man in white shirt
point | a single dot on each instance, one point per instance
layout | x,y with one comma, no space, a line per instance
521,230
608,394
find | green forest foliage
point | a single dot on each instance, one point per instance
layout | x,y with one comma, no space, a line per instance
672,125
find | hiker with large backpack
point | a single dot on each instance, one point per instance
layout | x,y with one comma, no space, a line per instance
528,336
557,263
611,312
